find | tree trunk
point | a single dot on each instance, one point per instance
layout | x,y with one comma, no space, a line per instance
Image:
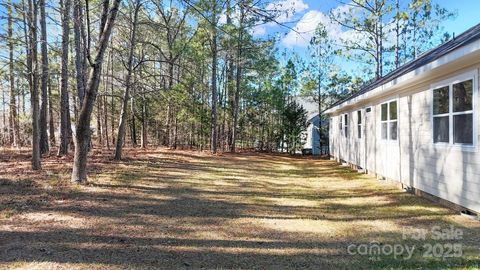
128,82
380,35
143,139
377,54
4,127
51,125
105,104
397,34
33,82
112,100
167,124
175,132
65,124
99,122
213,138
231,100
238,82
82,138
27,49
80,61
144,123
236,108
236,97
229,63
105,122
133,124
44,148
169,105
319,111
13,116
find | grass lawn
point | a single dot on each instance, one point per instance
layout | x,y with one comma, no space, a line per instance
164,209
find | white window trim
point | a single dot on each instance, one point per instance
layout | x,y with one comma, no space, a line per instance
471,75
359,126
340,124
388,121
346,125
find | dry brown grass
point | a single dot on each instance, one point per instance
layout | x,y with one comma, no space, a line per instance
179,209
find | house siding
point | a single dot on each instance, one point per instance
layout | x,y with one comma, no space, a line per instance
312,137
449,172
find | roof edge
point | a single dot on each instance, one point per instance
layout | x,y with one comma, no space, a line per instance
466,38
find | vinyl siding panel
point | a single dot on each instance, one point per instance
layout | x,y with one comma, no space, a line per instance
449,172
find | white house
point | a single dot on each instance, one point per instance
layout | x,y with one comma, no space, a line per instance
419,125
310,138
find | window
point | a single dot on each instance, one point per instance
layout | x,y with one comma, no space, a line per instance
345,125
389,121
462,99
359,124
453,113
441,123
340,124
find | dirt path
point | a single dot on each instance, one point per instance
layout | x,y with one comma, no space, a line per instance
164,209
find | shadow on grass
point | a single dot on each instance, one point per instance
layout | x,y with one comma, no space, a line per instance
168,210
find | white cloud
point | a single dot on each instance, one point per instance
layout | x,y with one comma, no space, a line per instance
342,10
258,31
305,29
286,9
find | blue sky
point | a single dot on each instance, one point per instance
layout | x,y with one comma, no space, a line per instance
310,12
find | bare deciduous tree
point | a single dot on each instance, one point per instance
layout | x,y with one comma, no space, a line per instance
128,81
82,135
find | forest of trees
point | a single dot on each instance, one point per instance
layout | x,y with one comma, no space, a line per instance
77,74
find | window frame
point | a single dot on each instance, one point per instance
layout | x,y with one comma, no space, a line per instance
360,124
472,75
388,121
345,124
447,114
340,124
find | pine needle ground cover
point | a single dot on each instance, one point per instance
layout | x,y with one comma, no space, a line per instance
162,209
